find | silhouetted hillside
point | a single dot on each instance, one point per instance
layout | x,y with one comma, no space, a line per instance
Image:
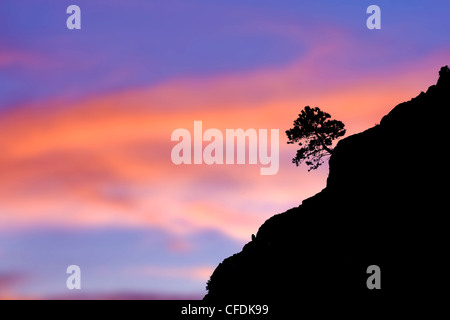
385,204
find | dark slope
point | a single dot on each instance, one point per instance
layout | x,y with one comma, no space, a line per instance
385,204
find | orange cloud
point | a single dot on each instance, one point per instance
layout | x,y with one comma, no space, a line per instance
106,160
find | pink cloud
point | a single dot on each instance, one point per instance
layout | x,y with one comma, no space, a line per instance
106,160
11,57
194,273
125,296
9,283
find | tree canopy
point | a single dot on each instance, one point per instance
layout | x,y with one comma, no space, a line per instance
314,132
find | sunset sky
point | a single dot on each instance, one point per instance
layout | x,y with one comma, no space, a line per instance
86,118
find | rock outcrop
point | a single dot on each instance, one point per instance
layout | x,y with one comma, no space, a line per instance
384,204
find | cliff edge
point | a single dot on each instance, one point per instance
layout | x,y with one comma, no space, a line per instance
384,204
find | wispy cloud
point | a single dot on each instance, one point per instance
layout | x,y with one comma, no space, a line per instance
9,281
106,160
176,272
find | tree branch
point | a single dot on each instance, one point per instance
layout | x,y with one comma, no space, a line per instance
330,151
